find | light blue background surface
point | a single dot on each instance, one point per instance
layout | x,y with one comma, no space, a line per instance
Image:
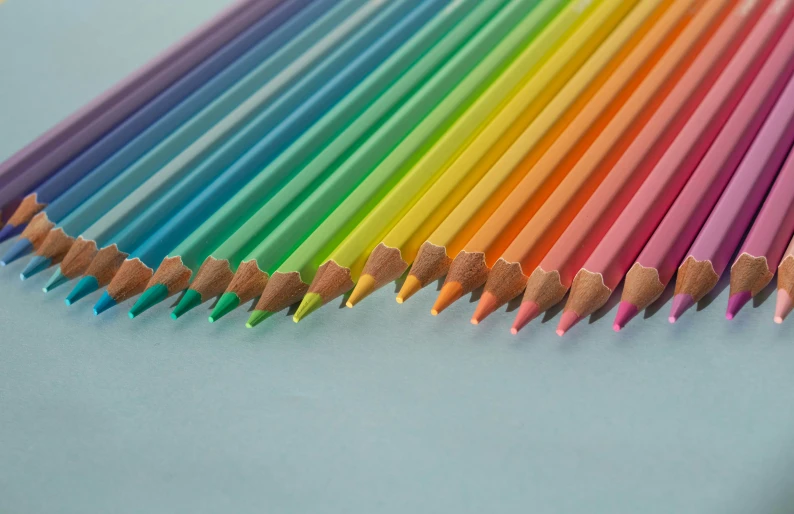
377,409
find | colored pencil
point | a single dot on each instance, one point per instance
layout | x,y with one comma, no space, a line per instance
720,236
398,248
484,149
28,168
252,100
763,248
488,81
573,220
163,114
220,259
654,268
506,280
606,266
196,198
470,267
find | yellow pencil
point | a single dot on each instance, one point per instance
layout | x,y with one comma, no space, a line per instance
593,25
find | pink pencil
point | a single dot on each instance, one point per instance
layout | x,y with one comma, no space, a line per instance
714,246
656,265
605,267
52,149
760,254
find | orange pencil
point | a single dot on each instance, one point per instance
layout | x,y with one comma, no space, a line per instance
524,201
619,163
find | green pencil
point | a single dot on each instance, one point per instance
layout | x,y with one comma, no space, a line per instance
511,54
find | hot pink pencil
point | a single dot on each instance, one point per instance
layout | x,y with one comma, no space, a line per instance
755,266
656,265
605,267
714,246
49,151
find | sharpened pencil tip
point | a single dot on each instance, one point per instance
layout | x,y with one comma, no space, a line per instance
257,317
528,311
736,302
55,280
681,303
626,312
400,300
485,307
248,325
475,321
433,312
226,304
450,293
36,265
7,232
514,331
190,300
567,322
410,287
783,305
349,304
104,303
84,287
19,249
365,286
151,297
311,302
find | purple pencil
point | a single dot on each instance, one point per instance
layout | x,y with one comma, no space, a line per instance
710,253
44,156
763,248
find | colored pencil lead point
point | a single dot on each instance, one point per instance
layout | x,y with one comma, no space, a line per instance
449,294
57,279
526,313
567,322
190,300
7,232
626,312
105,302
36,265
19,249
257,317
487,305
311,302
410,287
227,303
84,287
364,287
736,302
681,303
151,297
783,305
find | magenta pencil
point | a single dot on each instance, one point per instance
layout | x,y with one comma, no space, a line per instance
763,248
48,152
720,236
608,263
654,268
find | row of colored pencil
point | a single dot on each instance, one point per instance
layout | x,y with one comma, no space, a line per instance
294,151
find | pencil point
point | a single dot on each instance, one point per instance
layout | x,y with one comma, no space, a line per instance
681,303
364,287
487,305
257,317
449,294
526,313
626,312
57,279
567,322
19,249
36,265
410,287
84,287
227,303
105,302
783,305
151,297
190,300
736,302
8,231
311,302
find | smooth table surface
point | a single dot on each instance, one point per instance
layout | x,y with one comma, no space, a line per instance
379,409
